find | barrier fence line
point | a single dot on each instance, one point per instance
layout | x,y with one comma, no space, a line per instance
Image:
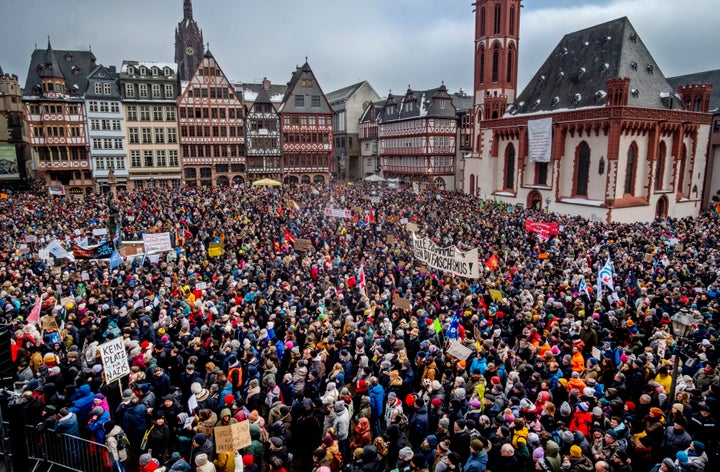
66,451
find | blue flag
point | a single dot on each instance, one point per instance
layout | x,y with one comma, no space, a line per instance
452,332
115,259
583,287
605,275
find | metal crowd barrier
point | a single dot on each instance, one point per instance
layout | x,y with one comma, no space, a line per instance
66,452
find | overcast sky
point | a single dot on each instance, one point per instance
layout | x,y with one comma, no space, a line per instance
390,43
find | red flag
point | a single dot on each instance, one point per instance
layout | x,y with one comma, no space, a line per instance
276,246
371,217
355,218
361,279
493,262
280,210
34,315
289,237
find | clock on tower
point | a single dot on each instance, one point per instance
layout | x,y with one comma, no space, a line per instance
189,51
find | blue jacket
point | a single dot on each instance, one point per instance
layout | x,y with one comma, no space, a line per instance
83,401
133,421
377,399
97,427
476,463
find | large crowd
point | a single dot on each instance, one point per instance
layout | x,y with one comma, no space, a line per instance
337,368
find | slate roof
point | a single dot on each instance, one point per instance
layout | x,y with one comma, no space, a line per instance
426,104
343,94
103,74
576,72
288,103
708,77
251,92
75,66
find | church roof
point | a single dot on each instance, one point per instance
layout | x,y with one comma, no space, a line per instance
708,77
73,66
575,74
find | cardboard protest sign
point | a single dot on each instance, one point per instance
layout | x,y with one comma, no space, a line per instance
402,303
303,245
459,351
390,239
496,295
214,252
648,258
232,438
114,359
412,227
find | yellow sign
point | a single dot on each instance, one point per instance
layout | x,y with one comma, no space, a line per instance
215,252
496,295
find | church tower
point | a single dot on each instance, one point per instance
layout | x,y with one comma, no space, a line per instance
189,46
497,30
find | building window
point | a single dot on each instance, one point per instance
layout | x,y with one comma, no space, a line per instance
170,114
306,82
132,113
582,166
146,136
660,166
482,21
98,88
135,158
316,101
510,167
495,63
205,172
115,107
117,143
161,161
630,170
159,136
156,90
172,136
144,113
148,158
133,135
107,88
143,90
509,66
93,106
169,91
541,169
190,173
497,19
104,107
100,163
94,125
299,100
157,114
512,20
174,161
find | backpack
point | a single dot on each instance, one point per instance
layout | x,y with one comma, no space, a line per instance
122,441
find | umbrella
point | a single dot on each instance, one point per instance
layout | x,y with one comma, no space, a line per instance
266,183
374,178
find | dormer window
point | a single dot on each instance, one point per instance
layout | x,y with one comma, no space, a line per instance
154,71
131,70
409,106
75,70
167,71
68,57
143,71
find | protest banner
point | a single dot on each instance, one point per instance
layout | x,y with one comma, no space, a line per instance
540,227
402,303
99,231
114,360
30,238
56,190
459,351
449,259
156,242
539,139
101,251
338,212
303,245
131,248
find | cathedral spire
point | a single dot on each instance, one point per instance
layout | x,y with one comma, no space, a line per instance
187,9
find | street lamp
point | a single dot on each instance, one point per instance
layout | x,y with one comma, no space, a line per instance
682,323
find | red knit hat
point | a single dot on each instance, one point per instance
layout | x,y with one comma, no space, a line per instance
229,399
248,460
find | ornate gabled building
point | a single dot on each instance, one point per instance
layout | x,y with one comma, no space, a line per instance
189,45
307,132
211,124
12,146
55,118
149,100
598,132
348,104
262,133
417,137
368,126
106,129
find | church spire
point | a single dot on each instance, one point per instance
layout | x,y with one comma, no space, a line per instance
187,9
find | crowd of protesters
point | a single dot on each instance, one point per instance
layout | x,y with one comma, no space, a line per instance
330,370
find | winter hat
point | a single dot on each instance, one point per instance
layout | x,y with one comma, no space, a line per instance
612,433
477,444
96,411
201,459
248,460
108,426
405,454
419,462
144,460
681,457
436,402
475,403
526,404
583,407
588,392
597,411
538,453
567,436
575,451
655,411
392,396
229,399
97,368
669,463
630,405
200,438
444,422
339,406
565,409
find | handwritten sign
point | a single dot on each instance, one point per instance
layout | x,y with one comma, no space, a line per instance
390,239
232,438
412,227
157,242
459,351
496,295
214,252
114,359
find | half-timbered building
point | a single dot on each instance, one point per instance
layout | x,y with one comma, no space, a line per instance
55,118
263,147
210,117
307,132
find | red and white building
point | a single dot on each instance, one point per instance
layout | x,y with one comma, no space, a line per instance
307,130
210,118
598,132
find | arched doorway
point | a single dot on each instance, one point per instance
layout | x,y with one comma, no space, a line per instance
661,207
424,182
222,181
534,200
305,179
319,179
291,180
439,183
239,181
